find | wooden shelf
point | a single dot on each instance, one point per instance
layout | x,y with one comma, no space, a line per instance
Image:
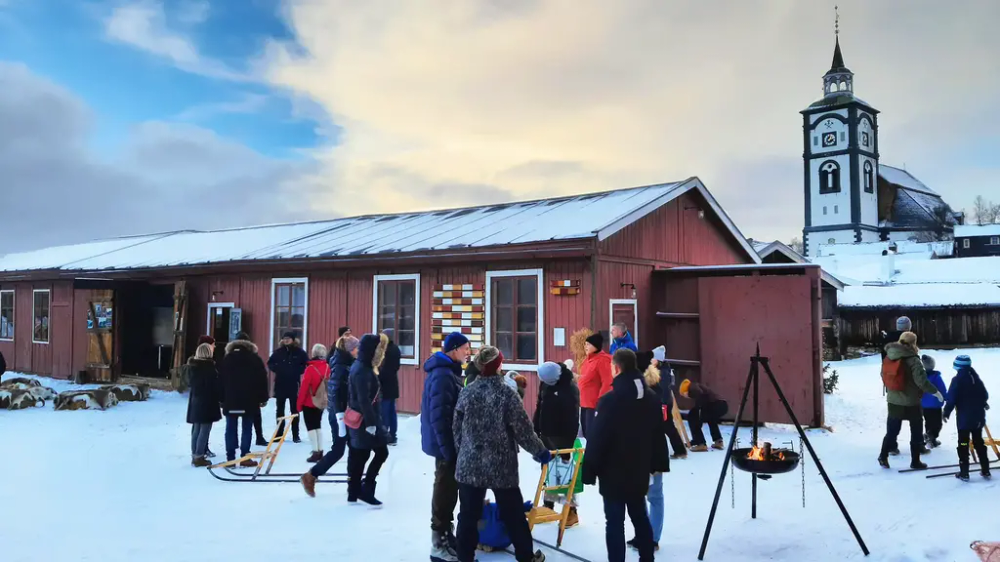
688,315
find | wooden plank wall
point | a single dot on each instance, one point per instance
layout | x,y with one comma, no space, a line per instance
937,327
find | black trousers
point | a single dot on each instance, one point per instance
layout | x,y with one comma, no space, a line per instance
614,530
933,422
586,420
258,426
510,503
356,460
710,414
444,498
674,436
313,418
894,423
280,413
976,436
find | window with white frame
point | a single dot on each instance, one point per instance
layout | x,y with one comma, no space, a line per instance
289,309
514,316
396,307
995,241
966,243
40,304
7,315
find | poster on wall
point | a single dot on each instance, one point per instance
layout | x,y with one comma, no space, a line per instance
235,322
104,319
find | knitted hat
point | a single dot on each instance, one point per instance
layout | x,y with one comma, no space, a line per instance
243,336
908,338
660,354
903,324
206,339
685,385
488,361
596,340
351,343
962,361
454,341
549,373
289,334
343,330
928,362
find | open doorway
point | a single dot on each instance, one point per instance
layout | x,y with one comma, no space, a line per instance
626,312
224,322
146,330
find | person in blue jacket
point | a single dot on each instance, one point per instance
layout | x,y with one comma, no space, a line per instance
931,405
969,396
437,414
621,338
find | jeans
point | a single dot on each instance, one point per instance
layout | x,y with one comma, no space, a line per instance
293,408
199,438
444,499
356,460
586,420
614,515
894,423
710,414
655,499
340,444
246,420
389,417
511,507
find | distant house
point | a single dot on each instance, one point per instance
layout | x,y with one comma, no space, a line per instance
977,241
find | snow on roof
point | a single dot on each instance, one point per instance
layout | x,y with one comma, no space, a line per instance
566,218
913,269
904,179
876,248
931,295
967,230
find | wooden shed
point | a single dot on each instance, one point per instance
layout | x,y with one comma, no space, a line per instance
522,276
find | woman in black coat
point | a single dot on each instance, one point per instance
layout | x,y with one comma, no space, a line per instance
364,397
203,402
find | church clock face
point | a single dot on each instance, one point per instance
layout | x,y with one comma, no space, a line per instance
829,139
865,140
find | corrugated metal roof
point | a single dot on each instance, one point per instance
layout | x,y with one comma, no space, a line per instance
564,218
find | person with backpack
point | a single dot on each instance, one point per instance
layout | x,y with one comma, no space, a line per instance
660,378
931,405
906,382
312,399
969,396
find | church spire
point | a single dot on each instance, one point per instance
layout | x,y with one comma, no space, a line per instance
839,80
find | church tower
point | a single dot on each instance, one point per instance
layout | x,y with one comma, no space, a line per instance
840,154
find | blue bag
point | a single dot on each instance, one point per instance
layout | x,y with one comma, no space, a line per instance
492,531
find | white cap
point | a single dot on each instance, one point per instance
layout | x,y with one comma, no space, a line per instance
660,353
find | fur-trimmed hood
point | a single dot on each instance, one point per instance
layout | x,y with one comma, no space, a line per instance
195,361
241,344
372,350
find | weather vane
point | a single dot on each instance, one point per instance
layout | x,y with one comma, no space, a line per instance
836,21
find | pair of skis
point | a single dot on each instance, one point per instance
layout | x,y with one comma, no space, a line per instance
279,477
939,467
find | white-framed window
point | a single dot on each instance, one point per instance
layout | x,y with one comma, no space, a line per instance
966,243
515,312
995,241
41,300
289,309
625,311
396,307
7,315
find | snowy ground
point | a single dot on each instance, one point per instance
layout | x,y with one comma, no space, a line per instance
117,486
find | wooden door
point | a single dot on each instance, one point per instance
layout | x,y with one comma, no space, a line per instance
101,336
180,323
624,311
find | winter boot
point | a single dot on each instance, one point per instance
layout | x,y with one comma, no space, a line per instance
719,444
883,461
261,442
441,550
538,557
353,490
572,520
209,454
984,461
368,493
924,450
894,451
679,455
963,462
316,456
309,484
200,462
699,448
915,453
249,463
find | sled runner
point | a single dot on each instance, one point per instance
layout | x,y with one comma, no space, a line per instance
989,441
569,488
269,455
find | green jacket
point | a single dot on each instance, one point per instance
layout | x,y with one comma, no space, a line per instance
916,379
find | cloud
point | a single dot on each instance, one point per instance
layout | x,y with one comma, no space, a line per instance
247,103
563,96
143,25
164,176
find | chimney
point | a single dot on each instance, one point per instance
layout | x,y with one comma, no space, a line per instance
888,265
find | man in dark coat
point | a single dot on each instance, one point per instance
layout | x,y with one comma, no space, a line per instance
243,379
288,362
437,414
389,377
626,446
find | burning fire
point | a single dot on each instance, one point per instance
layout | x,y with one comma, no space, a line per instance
765,453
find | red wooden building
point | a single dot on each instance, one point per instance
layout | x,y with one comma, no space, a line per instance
522,276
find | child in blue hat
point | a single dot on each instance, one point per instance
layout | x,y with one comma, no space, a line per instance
968,395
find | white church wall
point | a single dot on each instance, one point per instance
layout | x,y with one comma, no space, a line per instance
828,134
869,201
869,236
814,240
834,208
904,235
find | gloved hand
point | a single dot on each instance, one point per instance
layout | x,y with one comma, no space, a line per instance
545,457
939,397
341,427
370,429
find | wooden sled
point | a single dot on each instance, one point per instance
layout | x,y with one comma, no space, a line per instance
675,413
541,514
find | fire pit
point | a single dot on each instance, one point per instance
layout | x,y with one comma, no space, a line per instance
765,460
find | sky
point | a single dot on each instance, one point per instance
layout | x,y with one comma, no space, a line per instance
123,117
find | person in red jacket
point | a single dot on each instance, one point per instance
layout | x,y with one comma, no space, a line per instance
313,390
595,380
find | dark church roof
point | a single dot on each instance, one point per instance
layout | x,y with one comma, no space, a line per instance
838,67
915,205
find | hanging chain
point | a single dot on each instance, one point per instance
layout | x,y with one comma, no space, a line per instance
732,479
802,461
